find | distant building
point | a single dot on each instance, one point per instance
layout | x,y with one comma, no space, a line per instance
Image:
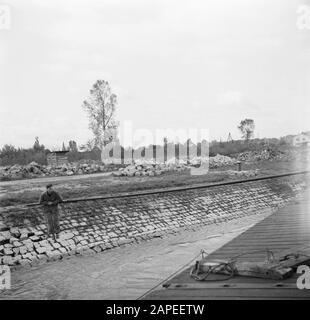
301,140
57,158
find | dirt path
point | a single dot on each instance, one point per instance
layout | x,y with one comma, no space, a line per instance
27,182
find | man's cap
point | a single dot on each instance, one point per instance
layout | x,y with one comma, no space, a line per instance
48,185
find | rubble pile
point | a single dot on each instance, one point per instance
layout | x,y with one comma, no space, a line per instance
266,154
221,161
33,170
150,168
139,168
214,162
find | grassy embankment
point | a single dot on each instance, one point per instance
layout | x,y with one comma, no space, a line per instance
28,191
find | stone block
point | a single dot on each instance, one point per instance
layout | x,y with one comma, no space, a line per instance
34,238
40,250
8,260
56,245
23,236
23,249
8,251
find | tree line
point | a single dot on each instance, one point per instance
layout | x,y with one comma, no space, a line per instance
100,107
10,155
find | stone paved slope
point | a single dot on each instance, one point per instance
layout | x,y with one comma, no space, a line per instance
92,226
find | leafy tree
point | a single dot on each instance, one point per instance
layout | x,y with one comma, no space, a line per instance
247,127
100,107
9,155
37,146
73,146
8,151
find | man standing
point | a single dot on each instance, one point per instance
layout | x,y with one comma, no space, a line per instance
50,200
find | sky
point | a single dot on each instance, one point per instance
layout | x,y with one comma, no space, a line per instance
172,64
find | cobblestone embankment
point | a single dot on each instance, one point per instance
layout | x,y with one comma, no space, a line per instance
92,226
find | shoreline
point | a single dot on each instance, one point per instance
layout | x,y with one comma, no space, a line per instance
125,272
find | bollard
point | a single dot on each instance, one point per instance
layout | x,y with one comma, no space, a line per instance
239,165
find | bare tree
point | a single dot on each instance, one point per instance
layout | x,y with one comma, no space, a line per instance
247,127
100,106
88,146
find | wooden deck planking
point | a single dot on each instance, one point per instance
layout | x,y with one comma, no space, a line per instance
283,230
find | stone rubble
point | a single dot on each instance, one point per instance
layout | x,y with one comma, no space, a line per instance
221,161
33,170
151,168
257,155
139,168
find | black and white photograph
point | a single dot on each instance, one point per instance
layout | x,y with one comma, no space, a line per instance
154,150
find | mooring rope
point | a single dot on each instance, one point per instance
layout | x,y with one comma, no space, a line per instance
202,252
228,267
196,277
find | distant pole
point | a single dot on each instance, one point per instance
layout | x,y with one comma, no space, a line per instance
229,139
239,165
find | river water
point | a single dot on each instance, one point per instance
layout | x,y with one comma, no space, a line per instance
126,272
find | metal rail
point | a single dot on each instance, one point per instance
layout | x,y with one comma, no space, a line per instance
176,189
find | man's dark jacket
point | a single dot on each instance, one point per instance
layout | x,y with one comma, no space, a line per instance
54,198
